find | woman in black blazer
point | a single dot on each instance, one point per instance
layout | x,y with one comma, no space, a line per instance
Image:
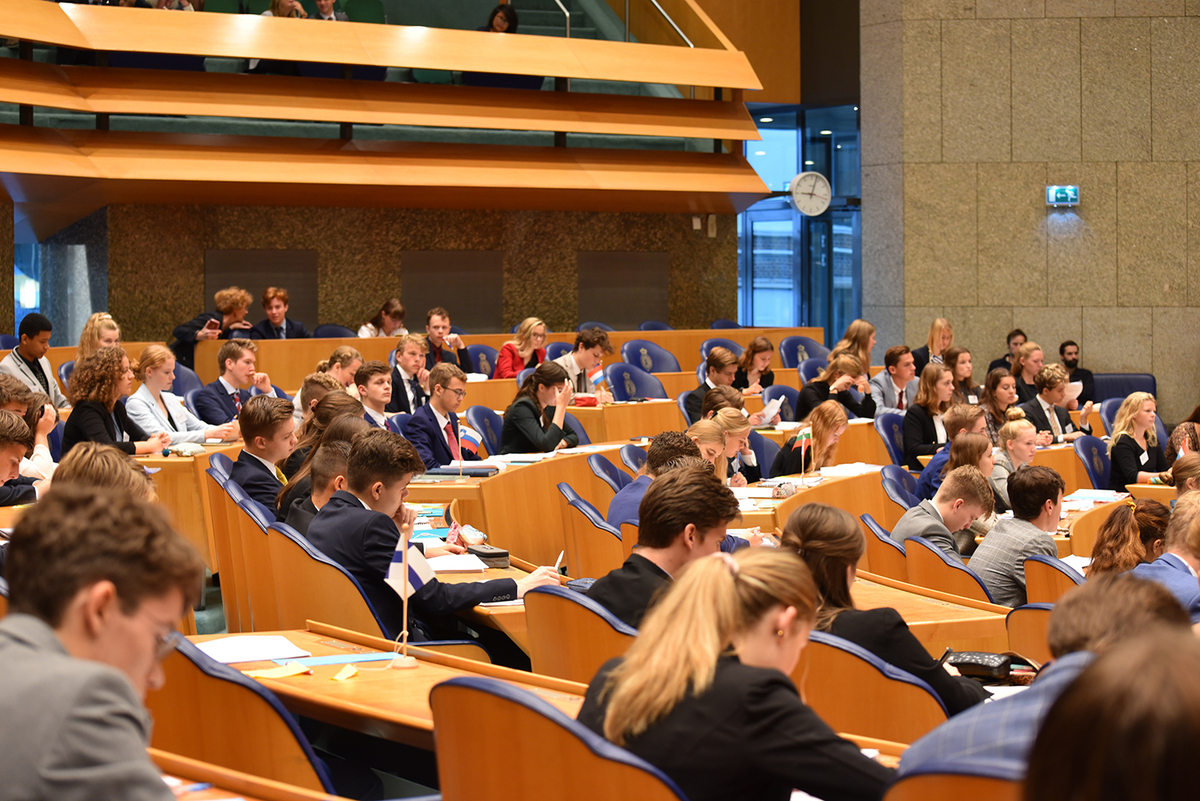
835,381
1026,365
96,387
922,435
703,693
1135,453
941,337
754,372
831,542
535,422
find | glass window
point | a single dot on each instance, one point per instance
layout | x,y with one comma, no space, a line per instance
27,282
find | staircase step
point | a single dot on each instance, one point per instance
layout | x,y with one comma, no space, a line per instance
577,31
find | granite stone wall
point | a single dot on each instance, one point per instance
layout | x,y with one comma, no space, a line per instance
969,109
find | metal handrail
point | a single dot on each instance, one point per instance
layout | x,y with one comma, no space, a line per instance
665,16
566,14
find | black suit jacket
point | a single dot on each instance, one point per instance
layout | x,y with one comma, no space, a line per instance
884,633
792,460
293,328
259,483
91,422
920,358
695,402
523,432
631,589
920,436
815,393
463,357
184,345
300,514
16,491
399,401
363,541
1035,414
748,737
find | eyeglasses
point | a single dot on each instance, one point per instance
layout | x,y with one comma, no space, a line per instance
164,644
461,393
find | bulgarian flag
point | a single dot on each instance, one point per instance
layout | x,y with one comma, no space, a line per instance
803,442
468,439
596,375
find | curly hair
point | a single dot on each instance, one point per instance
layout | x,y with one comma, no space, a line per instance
96,377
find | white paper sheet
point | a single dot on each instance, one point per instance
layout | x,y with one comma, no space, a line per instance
457,563
251,648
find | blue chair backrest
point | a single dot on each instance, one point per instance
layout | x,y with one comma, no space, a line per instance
578,428
523,374
1094,454
880,533
580,599
279,393
483,359
3,583
556,349
594,517
681,402
261,515
887,669
594,324
392,357
333,331
720,342
221,462
567,491
399,423
628,382
1059,565
608,472
725,322
904,499
648,325
791,400
795,349
210,667
650,357
811,368
902,477
189,400
633,457
218,476
890,427
185,380
454,329
765,452
1108,412
488,424
8,341
236,492
921,542
64,372
604,751
700,372
1122,385
54,440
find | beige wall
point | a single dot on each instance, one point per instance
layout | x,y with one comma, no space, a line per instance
768,32
968,111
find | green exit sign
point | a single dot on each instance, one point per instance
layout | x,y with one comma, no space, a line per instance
1062,196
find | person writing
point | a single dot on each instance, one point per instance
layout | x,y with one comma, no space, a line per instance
97,385
1134,533
156,409
526,350
826,425
535,422
713,659
754,372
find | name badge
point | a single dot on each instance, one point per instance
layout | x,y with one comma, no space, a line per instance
1145,457
971,399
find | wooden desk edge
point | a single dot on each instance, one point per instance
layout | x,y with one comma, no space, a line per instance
941,596
232,781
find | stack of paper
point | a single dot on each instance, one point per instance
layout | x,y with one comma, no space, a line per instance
457,563
251,648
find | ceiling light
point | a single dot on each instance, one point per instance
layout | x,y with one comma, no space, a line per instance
760,152
825,133
766,119
808,163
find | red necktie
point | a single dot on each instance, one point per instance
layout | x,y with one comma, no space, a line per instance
452,441
900,400
237,401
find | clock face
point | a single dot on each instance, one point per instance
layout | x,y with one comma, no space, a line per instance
811,193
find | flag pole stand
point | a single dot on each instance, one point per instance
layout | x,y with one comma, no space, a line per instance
402,661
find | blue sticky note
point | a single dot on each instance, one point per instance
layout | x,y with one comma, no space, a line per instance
338,659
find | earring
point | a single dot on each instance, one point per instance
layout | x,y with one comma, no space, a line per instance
778,632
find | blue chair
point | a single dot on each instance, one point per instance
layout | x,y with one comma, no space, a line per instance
595,546
1026,626
392,357
633,457
795,349
594,324
811,368
903,478
578,428
8,341
628,382
333,331
607,472
648,325
189,400
898,495
557,349
522,375
725,322
1122,385
64,372
721,342
791,401
222,463
454,329
462,707
54,440
195,702
701,369
1094,454
885,555
483,359
928,566
568,492
570,635
650,357
185,380
890,428
1108,413
3,589
399,424
681,402
984,778
765,452
261,515
1048,577
488,424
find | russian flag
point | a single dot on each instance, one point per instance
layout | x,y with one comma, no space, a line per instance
469,439
419,571
596,375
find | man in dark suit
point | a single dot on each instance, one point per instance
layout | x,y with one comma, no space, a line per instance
720,369
269,433
222,400
433,429
1177,568
328,473
437,335
358,528
227,322
98,581
682,517
374,382
409,376
965,496
1069,353
1046,410
277,325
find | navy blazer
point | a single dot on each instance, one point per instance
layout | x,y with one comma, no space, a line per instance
91,422
253,476
17,491
399,401
1036,415
430,441
1171,572
184,345
214,406
463,357
694,402
363,541
294,329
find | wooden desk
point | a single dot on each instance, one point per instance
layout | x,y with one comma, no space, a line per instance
508,619
936,619
227,783
9,515
60,355
860,443
1063,459
622,422
1156,492
862,494
388,703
